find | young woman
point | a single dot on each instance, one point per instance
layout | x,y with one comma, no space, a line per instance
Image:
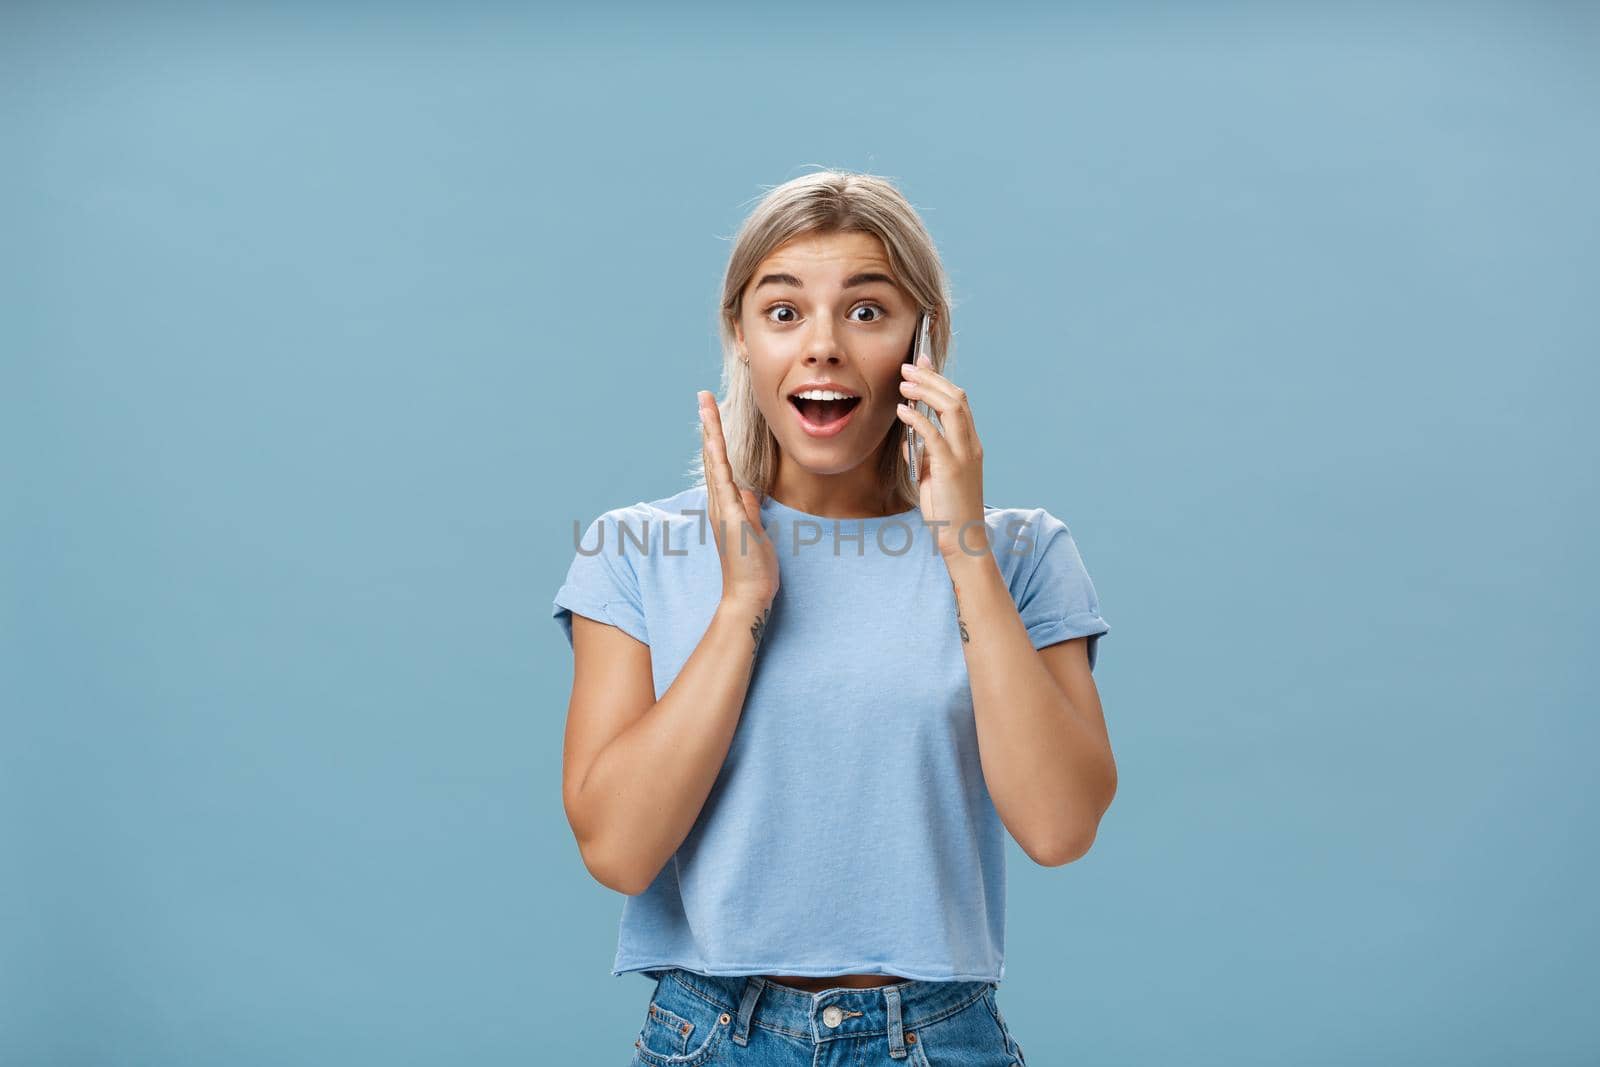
797,744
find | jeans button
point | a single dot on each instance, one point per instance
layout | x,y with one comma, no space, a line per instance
832,1015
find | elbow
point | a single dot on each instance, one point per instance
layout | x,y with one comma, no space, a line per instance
1064,849
611,871
626,883
599,858
610,862
1075,839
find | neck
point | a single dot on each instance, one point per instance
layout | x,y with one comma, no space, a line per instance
852,494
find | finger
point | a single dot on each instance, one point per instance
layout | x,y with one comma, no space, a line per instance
951,403
948,399
932,440
728,504
708,465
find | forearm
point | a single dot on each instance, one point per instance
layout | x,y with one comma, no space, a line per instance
1046,764
646,788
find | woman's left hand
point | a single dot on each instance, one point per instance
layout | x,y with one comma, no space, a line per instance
950,467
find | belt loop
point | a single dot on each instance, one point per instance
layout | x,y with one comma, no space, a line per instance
897,1036
753,985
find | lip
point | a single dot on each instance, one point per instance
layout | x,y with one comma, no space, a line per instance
833,428
821,383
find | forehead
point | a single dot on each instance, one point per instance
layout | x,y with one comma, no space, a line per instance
825,254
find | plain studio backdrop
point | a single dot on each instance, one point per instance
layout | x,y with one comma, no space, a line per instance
320,325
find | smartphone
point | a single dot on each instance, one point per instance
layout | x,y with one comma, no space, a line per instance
919,345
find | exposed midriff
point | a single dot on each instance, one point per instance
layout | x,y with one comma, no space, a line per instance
850,981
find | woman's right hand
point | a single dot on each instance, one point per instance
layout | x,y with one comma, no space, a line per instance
749,559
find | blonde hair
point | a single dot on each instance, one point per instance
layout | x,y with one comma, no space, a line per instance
824,202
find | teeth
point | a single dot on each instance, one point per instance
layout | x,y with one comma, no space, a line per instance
823,394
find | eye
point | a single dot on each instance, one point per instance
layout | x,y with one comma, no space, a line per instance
863,307
778,307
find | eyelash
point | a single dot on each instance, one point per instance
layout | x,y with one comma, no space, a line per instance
882,311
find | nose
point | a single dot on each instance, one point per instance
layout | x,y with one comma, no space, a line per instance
822,345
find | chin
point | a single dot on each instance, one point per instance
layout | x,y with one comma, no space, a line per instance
823,460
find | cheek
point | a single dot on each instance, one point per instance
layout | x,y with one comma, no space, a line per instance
886,388
765,384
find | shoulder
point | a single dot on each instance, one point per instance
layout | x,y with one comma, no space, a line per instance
690,499
639,525
1017,532
685,503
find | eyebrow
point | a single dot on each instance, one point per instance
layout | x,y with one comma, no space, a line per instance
861,278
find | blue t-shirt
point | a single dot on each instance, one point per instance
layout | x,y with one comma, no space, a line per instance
850,830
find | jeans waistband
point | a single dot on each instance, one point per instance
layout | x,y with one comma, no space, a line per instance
831,1013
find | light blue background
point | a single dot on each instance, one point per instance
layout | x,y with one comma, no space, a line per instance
321,325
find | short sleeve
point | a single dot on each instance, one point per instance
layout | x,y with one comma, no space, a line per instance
1058,600
602,583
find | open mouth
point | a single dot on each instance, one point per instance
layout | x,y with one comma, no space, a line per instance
824,412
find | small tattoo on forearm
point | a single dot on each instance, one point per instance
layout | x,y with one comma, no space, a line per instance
960,622
758,629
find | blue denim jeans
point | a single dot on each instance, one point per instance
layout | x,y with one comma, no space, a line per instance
696,1020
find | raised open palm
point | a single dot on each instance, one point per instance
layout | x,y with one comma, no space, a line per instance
749,558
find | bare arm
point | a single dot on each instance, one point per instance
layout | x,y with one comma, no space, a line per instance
636,771
1042,738
1042,735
